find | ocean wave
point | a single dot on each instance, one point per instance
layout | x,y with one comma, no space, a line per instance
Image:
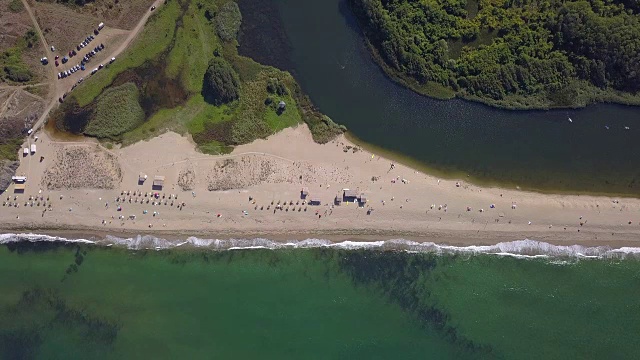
519,248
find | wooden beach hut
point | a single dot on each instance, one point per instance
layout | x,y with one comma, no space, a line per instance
315,201
158,182
338,200
19,188
362,199
349,195
304,193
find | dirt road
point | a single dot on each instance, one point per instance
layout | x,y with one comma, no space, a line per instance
59,87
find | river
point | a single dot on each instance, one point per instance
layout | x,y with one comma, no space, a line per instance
538,150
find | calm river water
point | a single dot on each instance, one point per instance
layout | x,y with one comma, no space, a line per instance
539,150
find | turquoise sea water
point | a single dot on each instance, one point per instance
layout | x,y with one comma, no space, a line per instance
84,301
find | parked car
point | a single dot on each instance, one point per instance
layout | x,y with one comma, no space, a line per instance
112,60
53,48
153,8
96,32
82,67
80,80
78,47
57,57
59,76
61,100
100,67
57,63
74,52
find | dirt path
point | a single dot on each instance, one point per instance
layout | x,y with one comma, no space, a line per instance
57,86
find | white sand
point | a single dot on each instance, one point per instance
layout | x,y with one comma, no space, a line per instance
276,169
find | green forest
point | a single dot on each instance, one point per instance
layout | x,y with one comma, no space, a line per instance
509,53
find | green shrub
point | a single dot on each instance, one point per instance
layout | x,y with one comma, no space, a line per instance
15,6
276,86
221,83
228,21
117,111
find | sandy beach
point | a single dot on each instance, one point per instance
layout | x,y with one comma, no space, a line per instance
83,188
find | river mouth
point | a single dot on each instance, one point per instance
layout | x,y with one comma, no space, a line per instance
531,150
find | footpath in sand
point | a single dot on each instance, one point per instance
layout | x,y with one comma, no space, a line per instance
256,192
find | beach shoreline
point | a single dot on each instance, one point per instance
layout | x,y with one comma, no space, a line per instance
285,188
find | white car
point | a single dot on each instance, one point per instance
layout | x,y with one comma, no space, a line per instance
30,131
53,48
112,60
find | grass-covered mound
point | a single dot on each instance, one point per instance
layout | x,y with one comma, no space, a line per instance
517,54
117,111
191,44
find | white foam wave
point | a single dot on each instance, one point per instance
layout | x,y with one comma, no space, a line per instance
519,248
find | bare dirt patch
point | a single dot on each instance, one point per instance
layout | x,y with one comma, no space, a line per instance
123,14
63,27
19,110
82,167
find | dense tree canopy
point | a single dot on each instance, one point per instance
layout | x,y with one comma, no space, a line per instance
498,49
221,82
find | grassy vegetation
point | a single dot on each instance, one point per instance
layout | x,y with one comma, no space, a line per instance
228,20
117,111
181,39
14,69
9,149
16,6
153,41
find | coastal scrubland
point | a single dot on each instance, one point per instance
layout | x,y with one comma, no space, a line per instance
117,111
188,53
512,54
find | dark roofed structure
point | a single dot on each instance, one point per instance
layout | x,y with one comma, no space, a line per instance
158,182
349,195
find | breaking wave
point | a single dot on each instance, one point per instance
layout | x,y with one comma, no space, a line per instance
519,248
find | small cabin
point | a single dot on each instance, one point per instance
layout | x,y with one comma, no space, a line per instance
337,200
142,178
19,188
158,182
362,199
304,192
315,201
349,195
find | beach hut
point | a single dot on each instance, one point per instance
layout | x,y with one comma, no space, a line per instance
19,188
349,195
304,193
362,199
141,178
158,182
337,200
315,201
